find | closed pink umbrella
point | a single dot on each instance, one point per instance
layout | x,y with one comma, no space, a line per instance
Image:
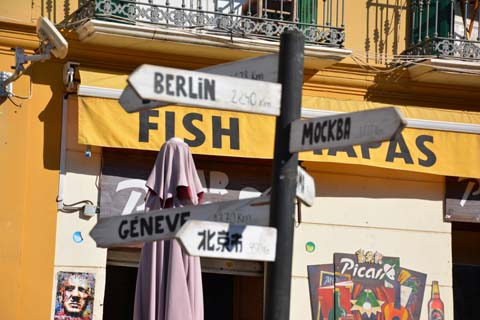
169,282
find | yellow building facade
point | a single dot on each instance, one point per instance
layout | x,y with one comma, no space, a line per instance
67,147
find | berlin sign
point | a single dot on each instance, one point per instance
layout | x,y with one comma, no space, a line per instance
227,241
263,68
163,224
131,102
346,129
305,187
193,88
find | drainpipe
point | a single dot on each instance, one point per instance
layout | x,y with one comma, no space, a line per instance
85,207
63,147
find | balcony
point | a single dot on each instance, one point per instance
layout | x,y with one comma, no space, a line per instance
249,25
444,41
261,19
445,28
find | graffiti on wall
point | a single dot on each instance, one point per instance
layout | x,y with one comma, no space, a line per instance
369,286
124,175
74,297
462,199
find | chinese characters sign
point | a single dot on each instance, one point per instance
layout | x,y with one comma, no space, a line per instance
220,241
223,240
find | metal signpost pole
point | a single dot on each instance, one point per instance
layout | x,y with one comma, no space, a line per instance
282,208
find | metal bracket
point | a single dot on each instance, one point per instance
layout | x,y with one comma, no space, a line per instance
20,59
5,90
71,76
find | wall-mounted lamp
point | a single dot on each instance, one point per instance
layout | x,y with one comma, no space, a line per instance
51,42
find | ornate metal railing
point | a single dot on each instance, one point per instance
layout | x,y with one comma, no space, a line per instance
321,21
444,28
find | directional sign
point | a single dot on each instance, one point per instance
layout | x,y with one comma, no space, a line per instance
346,129
206,90
305,187
162,224
131,102
263,68
223,240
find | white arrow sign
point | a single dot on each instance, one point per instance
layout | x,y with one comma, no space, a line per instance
131,102
263,68
346,129
163,224
305,187
206,90
223,240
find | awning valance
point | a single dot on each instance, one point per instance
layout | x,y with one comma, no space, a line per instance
436,141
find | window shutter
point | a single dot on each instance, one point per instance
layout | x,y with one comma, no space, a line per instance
307,11
425,17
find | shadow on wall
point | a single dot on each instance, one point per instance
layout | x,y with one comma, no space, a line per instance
47,103
383,23
49,9
51,113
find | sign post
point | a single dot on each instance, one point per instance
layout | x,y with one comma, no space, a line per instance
305,187
346,129
163,224
282,208
206,90
263,68
227,241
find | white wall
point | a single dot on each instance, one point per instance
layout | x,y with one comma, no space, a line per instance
81,180
460,27
399,214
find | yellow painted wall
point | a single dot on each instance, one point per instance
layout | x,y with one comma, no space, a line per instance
29,157
26,12
13,11
375,30
13,137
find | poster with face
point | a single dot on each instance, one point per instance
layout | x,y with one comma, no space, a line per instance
74,297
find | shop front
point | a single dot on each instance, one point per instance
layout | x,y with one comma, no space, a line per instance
377,239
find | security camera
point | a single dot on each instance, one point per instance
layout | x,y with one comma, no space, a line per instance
51,41
51,37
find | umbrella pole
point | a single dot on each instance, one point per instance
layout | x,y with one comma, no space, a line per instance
284,175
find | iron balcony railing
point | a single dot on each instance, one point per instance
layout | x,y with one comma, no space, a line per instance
321,21
445,28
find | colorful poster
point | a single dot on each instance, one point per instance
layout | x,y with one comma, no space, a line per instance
75,294
365,286
322,282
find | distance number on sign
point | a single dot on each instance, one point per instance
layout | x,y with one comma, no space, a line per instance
249,99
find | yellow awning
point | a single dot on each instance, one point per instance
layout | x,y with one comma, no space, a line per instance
452,148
